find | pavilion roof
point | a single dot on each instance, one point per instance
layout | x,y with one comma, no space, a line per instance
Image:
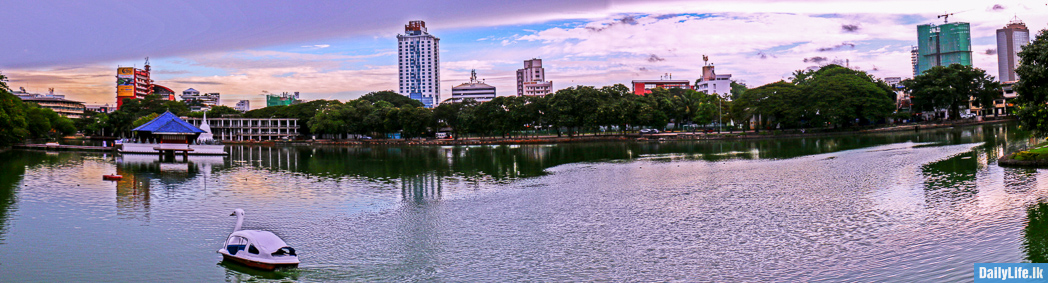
168,123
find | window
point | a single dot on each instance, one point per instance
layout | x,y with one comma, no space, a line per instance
252,249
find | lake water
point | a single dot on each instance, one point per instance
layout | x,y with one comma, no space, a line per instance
900,206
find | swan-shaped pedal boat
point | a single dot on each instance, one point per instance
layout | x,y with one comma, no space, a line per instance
257,248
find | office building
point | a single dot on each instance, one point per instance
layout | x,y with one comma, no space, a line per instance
531,80
243,106
474,89
943,45
419,64
200,102
1010,40
132,83
55,102
283,99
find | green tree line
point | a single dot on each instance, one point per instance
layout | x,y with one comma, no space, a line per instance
20,121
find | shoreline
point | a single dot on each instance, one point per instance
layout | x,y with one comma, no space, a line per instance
674,136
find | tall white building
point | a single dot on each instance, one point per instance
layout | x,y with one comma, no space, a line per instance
531,80
474,89
1010,40
419,64
712,83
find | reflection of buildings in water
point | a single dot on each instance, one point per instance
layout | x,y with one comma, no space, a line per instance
132,195
280,158
1019,180
421,189
141,171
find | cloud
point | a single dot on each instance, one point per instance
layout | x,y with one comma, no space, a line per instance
197,82
996,7
816,59
837,47
991,51
317,46
655,58
627,20
849,28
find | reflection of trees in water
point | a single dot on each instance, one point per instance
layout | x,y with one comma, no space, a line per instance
11,172
1035,235
13,166
952,179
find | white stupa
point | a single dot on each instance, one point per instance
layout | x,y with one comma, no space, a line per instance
206,136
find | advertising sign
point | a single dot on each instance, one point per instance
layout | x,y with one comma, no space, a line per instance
125,72
125,81
125,90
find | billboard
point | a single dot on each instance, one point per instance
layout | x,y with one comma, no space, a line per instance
125,72
125,81
125,90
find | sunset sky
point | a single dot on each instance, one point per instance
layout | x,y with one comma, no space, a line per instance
343,49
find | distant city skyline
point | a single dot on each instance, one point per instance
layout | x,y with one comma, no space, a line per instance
334,50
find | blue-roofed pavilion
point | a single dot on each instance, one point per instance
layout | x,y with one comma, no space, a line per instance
168,128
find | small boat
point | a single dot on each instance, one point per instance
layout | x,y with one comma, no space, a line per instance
257,248
113,177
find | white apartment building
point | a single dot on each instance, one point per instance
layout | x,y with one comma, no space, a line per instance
712,83
531,80
419,64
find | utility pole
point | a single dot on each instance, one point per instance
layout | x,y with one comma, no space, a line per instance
720,120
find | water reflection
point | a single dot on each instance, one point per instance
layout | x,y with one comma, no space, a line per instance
238,273
953,179
11,172
1035,235
144,175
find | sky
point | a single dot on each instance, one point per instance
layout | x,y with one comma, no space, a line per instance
344,49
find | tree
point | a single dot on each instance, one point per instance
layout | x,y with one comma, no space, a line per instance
951,88
1032,86
394,98
12,117
780,101
45,123
737,89
143,120
216,112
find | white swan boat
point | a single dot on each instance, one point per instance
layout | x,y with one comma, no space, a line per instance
257,248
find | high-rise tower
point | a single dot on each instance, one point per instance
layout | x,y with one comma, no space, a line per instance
531,81
419,64
943,45
1010,40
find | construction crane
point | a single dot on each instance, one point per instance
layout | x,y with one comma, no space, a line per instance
944,16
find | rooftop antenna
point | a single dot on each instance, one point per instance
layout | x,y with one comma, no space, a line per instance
945,16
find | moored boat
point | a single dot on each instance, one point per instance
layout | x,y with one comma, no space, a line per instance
113,177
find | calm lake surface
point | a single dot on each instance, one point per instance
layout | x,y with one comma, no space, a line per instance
885,207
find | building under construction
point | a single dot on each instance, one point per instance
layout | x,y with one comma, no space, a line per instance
943,45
